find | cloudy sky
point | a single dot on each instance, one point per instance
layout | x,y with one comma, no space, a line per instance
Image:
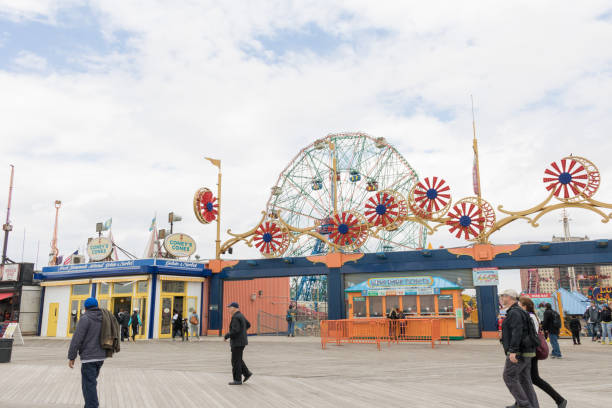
111,105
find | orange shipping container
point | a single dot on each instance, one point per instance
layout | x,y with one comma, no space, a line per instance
268,295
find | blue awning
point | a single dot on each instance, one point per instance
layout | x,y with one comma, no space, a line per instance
118,268
574,303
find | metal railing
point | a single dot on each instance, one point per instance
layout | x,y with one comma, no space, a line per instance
377,331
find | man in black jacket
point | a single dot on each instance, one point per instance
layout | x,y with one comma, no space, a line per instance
519,350
86,341
552,330
238,341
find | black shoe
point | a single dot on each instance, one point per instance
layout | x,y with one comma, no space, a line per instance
246,377
235,383
562,404
512,406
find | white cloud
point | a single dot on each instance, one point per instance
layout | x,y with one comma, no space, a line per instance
127,138
30,61
33,9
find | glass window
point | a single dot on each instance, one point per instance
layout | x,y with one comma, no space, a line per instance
78,290
392,302
445,304
375,306
173,286
166,315
123,288
191,305
143,286
359,307
143,315
427,304
103,288
103,303
409,304
74,315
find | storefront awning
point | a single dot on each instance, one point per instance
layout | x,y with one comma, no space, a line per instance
6,295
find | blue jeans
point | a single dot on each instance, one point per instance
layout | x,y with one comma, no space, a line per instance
594,330
606,328
554,342
291,328
89,382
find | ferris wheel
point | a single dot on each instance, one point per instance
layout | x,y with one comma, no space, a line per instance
343,183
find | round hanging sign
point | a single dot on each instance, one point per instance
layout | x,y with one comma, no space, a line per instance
180,245
99,248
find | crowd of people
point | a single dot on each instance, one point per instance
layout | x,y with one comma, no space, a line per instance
524,333
183,327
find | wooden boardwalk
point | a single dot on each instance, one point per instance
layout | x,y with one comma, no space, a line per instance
297,373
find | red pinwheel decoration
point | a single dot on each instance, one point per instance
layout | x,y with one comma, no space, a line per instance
348,230
430,197
567,179
271,239
467,219
205,206
385,208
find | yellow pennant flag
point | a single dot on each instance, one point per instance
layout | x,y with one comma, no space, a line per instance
215,162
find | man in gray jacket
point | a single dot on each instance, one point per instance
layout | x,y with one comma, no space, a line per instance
86,342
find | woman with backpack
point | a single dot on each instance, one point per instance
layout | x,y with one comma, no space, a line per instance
527,305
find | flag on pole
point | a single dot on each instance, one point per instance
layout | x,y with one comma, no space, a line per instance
107,224
150,248
114,256
475,176
215,162
152,226
69,258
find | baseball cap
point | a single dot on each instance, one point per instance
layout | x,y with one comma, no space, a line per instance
234,304
510,292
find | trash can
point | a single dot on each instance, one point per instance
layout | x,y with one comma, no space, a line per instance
6,348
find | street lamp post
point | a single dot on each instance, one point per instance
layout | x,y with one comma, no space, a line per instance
172,218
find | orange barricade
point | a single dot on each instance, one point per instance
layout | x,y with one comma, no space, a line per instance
375,331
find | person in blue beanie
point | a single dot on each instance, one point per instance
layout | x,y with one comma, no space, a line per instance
86,342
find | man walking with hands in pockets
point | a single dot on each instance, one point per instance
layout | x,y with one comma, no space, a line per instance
238,341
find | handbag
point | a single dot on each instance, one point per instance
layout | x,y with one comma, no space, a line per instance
542,350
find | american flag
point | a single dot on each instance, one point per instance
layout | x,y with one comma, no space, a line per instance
69,258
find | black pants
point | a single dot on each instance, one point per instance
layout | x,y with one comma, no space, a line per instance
543,385
238,367
125,333
177,332
89,383
576,336
134,332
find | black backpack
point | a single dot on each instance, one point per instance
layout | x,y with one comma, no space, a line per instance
556,320
532,337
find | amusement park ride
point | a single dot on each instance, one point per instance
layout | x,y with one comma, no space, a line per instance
349,193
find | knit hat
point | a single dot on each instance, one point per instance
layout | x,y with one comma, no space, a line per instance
90,302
